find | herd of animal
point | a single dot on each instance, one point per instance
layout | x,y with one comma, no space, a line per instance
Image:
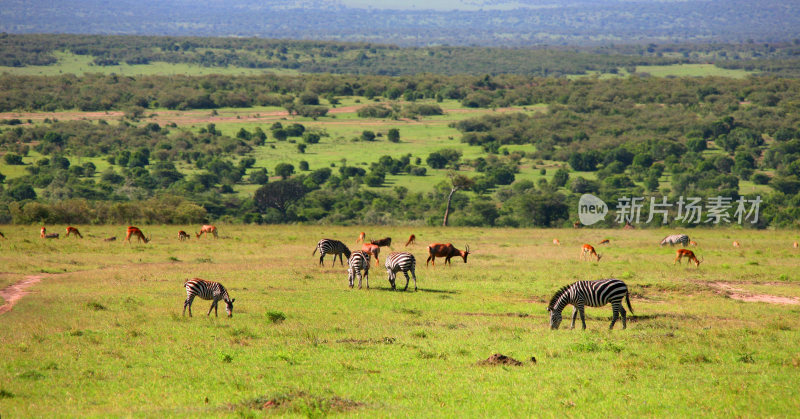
578,294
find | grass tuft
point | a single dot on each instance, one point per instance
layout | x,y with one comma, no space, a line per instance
94,305
276,316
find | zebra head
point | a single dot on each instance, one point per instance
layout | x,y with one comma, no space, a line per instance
229,307
555,318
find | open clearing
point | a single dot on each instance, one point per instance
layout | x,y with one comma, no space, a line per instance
105,337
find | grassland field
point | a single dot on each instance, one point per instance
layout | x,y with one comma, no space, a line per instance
102,334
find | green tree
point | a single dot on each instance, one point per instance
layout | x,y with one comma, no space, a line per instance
284,170
457,182
393,135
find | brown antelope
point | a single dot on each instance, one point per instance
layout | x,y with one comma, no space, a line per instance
45,235
384,242
413,240
445,251
134,231
684,253
588,249
4,236
43,232
795,245
736,244
110,239
556,242
74,231
372,249
208,229
576,224
605,241
628,226
361,237
693,243
182,235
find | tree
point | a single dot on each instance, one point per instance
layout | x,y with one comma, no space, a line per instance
13,159
457,182
278,195
259,177
284,170
560,178
393,135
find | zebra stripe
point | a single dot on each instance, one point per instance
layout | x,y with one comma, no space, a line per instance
358,262
589,293
675,239
334,247
401,261
207,290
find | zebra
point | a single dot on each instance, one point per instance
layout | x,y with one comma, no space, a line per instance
675,239
589,293
207,290
358,262
334,247
401,261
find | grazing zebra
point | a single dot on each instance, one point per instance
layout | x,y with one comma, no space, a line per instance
207,290
401,261
589,293
675,239
334,247
358,262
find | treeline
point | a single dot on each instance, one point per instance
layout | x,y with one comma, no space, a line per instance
307,94
380,59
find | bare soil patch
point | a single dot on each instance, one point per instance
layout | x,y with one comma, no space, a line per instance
13,293
743,295
500,359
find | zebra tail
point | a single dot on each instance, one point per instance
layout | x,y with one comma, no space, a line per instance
627,300
314,252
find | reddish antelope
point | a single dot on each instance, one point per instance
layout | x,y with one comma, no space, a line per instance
413,240
576,224
4,236
605,241
736,244
207,229
556,242
361,237
684,253
43,232
588,249
693,243
372,249
182,235
445,251
135,232
110,239
73,231
795,245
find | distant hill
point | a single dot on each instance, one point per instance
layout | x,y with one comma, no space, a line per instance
444,22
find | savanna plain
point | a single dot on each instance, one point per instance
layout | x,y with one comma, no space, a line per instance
102,333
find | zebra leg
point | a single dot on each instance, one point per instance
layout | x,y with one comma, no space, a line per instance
407,280
321,257
574,316
188,303
583,317
213,307
615,316
415,279
360,277
624,320
350,278
366,276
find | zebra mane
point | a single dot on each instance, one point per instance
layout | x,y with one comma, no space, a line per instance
558,295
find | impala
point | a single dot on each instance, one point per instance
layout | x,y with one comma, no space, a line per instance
684,253
73,231
556,242
207,229
588,249
795,245
605,241
372,249
361,237
182,235
736,244
693,243
413,240
45,235
134,231
445,251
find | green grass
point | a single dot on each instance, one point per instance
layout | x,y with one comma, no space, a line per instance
692,70
105,337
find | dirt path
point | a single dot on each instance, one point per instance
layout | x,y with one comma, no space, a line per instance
743,295
12,293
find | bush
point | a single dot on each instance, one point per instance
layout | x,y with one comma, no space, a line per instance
393,135
13,159
374,111
284,170
761,179
367,135
303,165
